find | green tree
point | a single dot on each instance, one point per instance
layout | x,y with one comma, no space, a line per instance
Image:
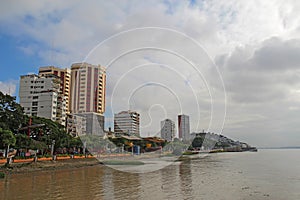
50,131
197,142
96,142
7,139
22,141
11,113
44,131
75,142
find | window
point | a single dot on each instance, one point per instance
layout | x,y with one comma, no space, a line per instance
35,103
35,97
34,108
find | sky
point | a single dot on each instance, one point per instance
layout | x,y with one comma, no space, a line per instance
233,66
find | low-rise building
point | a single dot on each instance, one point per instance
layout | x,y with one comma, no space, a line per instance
85,124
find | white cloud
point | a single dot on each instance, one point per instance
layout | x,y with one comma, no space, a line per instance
255,43
8,87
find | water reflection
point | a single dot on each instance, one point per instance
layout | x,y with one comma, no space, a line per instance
125,185
186,181
102,182
226,176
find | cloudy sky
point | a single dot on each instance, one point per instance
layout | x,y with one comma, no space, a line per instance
233,66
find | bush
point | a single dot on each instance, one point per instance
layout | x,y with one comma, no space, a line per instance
62,155
187,153
2,174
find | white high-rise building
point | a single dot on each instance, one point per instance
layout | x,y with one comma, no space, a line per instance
65,76
184,127
39,97
127,122
167,129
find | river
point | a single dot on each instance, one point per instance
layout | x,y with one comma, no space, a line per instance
266,174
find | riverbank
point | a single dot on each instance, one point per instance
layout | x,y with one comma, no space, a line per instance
45,164
25,167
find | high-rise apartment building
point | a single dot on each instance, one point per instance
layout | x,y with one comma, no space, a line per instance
127,122
39,96
65,76
167,130
184,127
88,84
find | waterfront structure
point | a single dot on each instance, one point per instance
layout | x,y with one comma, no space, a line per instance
88,84
65,76
127,123
184,127
167,130
39,96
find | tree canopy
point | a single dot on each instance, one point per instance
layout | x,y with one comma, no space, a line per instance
7,138
11,113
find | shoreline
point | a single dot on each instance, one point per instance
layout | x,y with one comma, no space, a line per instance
28,165
48,165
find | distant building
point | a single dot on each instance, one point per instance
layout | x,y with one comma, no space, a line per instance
85,124
167,129
184,127
88,84
39,96
127,122
64,76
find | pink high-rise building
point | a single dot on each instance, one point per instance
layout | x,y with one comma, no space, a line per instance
87,88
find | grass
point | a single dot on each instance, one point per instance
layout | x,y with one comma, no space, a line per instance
123,162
